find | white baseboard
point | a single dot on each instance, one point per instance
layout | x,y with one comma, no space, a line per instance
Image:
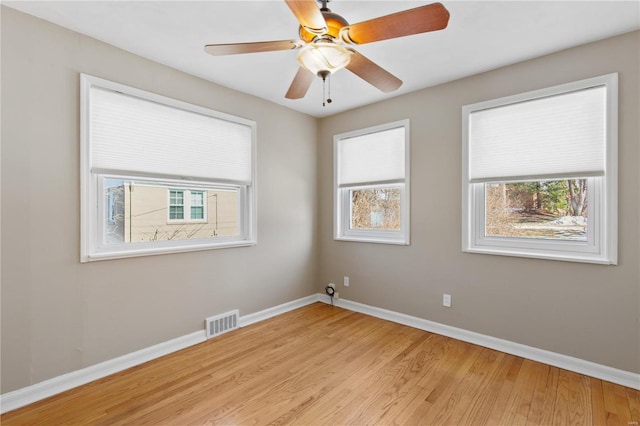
277,310
30,394
599,371
21,397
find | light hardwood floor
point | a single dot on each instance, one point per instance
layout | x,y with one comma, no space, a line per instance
326,365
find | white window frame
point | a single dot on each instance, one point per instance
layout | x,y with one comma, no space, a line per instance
342,194
602,203
203,205
91,186
170,204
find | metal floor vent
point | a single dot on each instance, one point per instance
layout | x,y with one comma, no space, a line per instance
222,323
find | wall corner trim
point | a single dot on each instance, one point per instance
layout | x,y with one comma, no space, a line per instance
36,392
577,365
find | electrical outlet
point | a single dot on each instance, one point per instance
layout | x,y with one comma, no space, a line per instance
336,295
346,281
446,300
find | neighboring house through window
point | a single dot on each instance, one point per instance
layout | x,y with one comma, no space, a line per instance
540,173
189,201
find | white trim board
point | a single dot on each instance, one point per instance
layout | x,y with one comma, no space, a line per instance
577,365
36,392
30,394
278,310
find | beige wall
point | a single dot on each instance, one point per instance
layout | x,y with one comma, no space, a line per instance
582,310
59,315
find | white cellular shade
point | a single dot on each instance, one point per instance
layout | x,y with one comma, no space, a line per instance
374,157
130,134
557,136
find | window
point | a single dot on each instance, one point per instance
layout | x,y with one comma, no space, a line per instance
540,173
176,205
197,205
372,184
186,200
160,175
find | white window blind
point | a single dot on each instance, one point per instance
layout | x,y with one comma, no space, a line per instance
130,134
373,157
557,136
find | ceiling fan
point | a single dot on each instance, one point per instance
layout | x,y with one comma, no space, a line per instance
326,39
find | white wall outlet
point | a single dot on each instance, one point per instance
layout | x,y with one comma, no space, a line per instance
446,300
336,295
346,281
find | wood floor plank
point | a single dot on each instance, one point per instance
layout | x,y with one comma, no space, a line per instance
377,380
402,396
436,403
633,398
518,406
483,402
348,394
616,404
356,377
402,372
504,394
468,388
573,399
544,398
323,365
597,403
352,378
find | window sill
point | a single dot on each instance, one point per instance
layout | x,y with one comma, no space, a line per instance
106,254
548,255
397,242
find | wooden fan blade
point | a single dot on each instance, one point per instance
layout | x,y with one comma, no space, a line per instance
431,17
300,84
373,74
309,16
261,46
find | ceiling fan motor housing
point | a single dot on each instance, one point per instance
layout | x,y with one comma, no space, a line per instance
334,23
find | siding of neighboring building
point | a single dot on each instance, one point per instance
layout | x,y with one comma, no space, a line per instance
146,216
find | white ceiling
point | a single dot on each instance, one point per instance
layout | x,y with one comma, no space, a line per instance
482,35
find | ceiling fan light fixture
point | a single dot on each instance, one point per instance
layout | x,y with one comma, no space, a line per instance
326,39
324,56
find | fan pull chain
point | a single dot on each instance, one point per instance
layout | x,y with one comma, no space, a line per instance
324,89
